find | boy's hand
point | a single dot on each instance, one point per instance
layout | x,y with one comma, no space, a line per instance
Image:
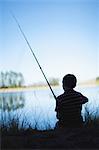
84,99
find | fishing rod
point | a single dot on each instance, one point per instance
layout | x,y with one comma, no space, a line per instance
33,54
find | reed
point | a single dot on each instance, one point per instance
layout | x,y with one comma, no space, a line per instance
91,118
14,126
28,136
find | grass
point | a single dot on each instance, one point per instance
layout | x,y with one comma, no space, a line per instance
15,135
91,118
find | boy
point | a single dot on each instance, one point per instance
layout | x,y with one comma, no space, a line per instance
69,104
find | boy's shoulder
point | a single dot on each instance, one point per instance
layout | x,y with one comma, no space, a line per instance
66,94
60,96
78,93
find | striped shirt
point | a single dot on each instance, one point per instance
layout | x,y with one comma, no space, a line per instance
69,105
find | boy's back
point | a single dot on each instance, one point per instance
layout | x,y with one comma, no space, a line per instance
69,104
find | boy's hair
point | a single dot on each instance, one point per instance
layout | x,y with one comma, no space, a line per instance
69,81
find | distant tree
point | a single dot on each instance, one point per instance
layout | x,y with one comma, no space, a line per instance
11,79
97,79
54,81
20,79
2,79
7,78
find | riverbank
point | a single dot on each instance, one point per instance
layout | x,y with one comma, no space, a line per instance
30,88
67,138
19,89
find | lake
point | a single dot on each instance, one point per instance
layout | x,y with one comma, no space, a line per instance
37,106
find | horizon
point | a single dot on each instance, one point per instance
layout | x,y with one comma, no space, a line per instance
64,36
91,81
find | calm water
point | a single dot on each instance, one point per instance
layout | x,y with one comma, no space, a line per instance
36,107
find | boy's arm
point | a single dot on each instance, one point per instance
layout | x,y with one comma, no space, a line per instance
56,106
57,109
84,99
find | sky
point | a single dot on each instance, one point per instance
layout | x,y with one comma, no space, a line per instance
64,35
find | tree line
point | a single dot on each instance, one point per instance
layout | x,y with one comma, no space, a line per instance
52,81
11,79
97,79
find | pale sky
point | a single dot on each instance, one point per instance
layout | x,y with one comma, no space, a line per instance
63,34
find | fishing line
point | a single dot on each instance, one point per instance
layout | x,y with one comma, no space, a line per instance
25,38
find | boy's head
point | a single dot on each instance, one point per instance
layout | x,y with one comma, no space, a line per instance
69,81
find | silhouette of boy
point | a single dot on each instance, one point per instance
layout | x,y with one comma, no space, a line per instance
69,104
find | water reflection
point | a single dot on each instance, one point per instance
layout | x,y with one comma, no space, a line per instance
38,106
11,101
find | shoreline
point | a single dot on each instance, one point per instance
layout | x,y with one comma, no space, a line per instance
19,89
22,89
